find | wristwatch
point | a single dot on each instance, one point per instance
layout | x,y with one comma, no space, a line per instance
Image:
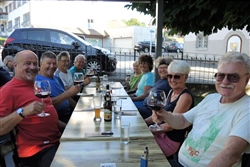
20,112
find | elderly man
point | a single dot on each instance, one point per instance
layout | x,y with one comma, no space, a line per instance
9,64
221,122
63,62
61,99
78,65
36,143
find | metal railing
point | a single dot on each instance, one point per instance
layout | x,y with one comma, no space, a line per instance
203,67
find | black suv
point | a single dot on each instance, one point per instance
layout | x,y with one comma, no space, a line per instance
40,40
145,47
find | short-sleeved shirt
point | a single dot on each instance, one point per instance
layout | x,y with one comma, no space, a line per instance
73,70
147,79
213,122
66,78
34,133
57,88
134,80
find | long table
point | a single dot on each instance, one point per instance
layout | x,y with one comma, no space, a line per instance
79,148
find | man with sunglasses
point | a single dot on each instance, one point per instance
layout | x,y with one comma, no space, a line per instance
221,122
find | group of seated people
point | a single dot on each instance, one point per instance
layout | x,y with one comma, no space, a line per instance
219,126
19,109
173,75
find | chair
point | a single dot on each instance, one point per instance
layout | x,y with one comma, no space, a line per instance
8,152
245,162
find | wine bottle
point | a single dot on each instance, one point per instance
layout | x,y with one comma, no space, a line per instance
107,105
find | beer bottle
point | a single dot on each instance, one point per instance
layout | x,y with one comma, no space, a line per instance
98,82
107,105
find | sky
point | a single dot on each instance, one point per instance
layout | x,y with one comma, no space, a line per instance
120,11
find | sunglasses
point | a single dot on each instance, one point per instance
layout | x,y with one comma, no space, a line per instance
234,78
170,76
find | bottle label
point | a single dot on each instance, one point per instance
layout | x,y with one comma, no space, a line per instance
107,114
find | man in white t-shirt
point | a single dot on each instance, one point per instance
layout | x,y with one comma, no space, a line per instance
221,122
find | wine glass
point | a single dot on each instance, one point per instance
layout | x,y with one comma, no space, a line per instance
156,101
128,73
78,78
42,90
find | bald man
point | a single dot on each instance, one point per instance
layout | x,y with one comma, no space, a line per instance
36,143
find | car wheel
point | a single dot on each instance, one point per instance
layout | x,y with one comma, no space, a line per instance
94,64
146,50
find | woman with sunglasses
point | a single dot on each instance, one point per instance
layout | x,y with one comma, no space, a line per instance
161,63
146,82
179,100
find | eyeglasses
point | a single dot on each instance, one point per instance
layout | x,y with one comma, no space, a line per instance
65,61
162,68
230,77
177,77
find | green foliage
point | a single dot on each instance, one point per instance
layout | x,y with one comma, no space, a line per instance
133,22
2,41
209,16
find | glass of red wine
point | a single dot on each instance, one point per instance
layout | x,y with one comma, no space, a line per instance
42,90
78,78
156,101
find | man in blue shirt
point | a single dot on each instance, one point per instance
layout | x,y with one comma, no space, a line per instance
61,99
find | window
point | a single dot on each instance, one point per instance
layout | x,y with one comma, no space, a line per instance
2,28
34,35
26,20
9,28
10,7
60,38
17,22
201,41
18,3
14,5
234,43
90,23
24,1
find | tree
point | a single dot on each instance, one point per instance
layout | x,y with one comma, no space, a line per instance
133,22
208,16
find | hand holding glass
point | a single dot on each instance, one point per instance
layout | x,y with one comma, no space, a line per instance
78,78
156,101
42,90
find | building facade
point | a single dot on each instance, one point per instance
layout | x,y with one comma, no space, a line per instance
218,43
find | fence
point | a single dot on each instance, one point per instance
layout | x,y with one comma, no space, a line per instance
203,66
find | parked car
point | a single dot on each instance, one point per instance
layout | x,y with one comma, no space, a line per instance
145,47
40,40
175,47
